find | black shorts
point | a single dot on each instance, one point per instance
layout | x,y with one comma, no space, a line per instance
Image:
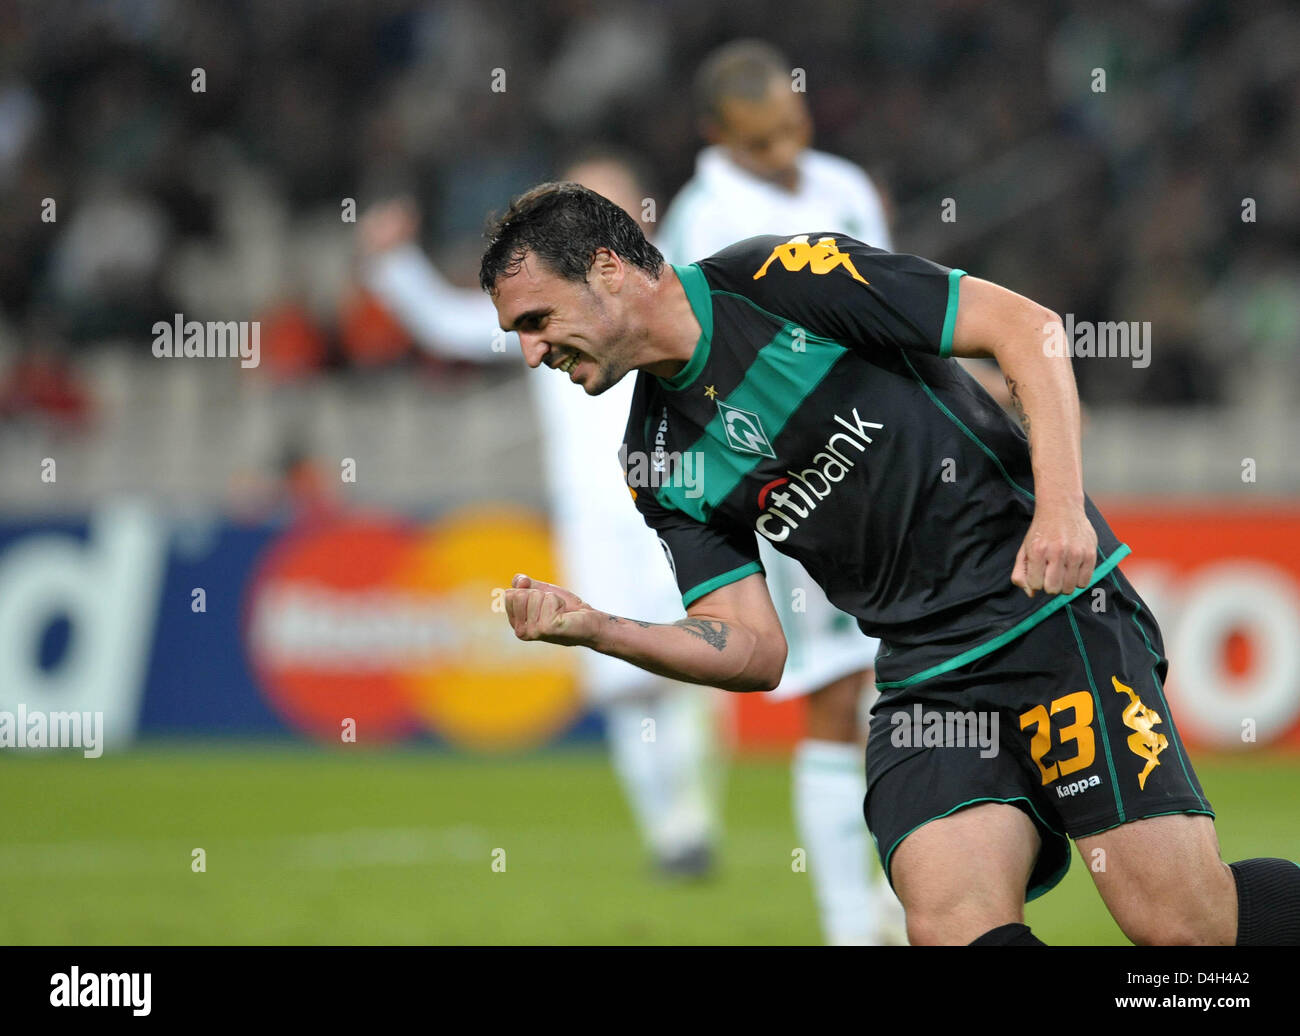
1068,722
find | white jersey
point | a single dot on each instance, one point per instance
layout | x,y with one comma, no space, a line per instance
722,204
607,554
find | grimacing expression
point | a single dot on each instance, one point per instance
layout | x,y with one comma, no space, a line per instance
570,326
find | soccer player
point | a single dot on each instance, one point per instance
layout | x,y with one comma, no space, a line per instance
759,175
813,378
670,779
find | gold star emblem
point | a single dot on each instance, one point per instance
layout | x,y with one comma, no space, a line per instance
710,391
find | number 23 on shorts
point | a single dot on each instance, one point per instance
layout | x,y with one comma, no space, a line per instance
1080,731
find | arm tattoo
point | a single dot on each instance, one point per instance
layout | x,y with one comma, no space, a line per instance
710,631
643,625
1020,407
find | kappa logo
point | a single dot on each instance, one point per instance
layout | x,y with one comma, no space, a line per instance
821,258
1064,791
1146,743
744,430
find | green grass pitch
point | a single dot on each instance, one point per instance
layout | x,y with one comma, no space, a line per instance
337,847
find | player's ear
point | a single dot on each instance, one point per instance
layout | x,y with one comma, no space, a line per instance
609,268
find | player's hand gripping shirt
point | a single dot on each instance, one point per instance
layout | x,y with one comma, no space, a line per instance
822,411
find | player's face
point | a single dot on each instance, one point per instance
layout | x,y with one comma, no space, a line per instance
766,138
573,327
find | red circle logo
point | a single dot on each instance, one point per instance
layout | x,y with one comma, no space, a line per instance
395,628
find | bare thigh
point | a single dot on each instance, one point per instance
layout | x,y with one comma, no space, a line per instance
1163,881
964,874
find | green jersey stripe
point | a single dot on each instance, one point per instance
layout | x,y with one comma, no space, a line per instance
697,294
784,373
950,314
708,586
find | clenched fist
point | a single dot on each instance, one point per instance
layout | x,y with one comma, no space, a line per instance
1058,554
542,611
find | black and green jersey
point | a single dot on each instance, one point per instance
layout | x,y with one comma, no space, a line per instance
821,410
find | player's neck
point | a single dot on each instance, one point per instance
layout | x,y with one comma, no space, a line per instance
671,328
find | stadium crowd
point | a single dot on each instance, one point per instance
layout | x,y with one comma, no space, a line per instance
201,157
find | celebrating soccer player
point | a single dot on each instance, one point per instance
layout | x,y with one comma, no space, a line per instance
807,386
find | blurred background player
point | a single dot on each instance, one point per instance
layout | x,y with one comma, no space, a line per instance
759,175
659,731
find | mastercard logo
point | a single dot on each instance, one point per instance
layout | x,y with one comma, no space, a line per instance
401,628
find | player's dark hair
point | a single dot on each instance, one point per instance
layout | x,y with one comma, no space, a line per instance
741,69
563,224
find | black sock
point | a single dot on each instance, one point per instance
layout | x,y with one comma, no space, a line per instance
1009,935
1268,902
